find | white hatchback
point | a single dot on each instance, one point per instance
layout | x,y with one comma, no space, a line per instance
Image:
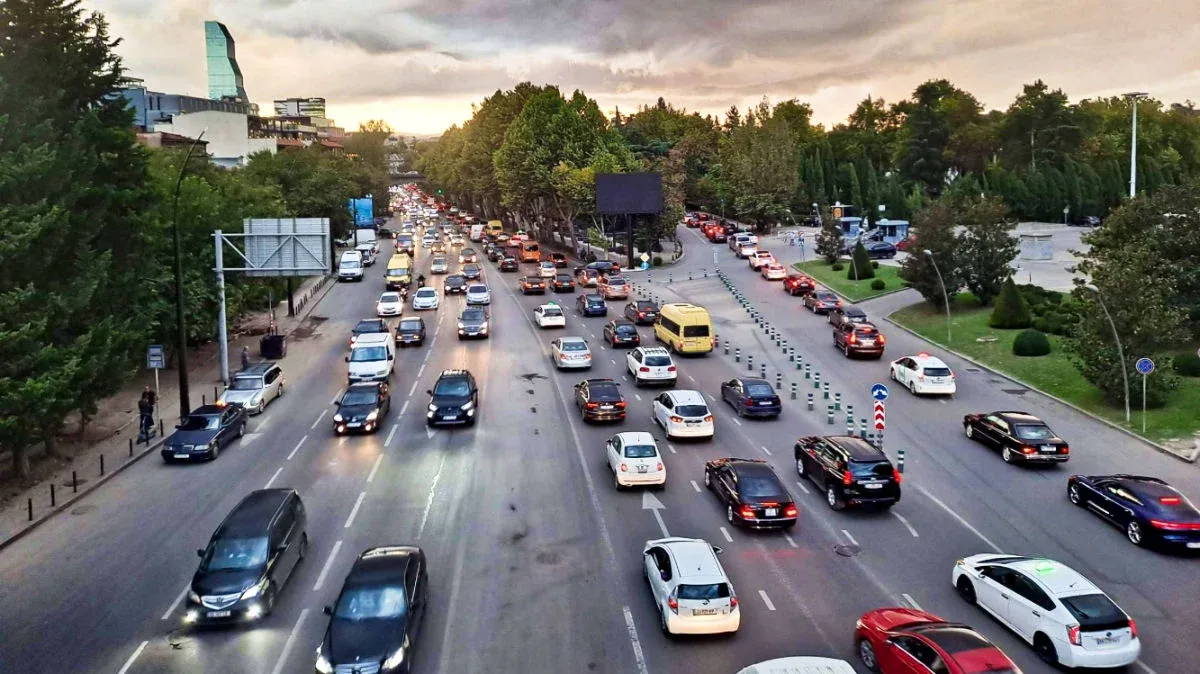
683,414
690,589
425,298
439,266
547,270
570,353
634,459
549,316
773,271
651,365
923,374
478,293
389,304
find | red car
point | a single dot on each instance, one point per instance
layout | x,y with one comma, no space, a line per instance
908,641
904,244
798,284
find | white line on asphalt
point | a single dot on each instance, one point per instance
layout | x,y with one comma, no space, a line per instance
429,501
849,537
175,604
638,656
725,533
343,440
592,334
965,523
297,447
671,447
354,511
432,342
635,395
801,486
141,647
319,418
412,390
904,521
272,480
737,421
695,486
710,397
378,460
391,433
1144,666
426,360
791,541
291,641
420,372
911,602
767,451
692,378
662,526
766,600
404,409
612,361
328,564
941,401
262,425
337,396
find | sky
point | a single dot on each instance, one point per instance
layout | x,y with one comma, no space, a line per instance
420,65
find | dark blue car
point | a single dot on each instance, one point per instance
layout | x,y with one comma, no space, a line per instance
205,432
591,305
751,397
1147,509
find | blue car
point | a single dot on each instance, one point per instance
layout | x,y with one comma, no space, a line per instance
1147,509
751,397
205,431
591,305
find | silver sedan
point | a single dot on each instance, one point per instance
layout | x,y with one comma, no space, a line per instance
571,353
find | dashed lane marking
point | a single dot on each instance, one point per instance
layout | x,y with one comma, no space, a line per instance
960,518
412,391
296,448
337,396
378,460
328,564
638,655
766,600
635,395
273,477
354,511
737,421
911,602
695,486
766,451
391,433
791,541
291,642
671,447
319,418
801,486
129,663
175,604
849,537
725,533
404,409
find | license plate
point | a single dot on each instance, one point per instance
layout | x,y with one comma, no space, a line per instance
182,456
704,611
355,424
606,407
873,486
1049,449
450,417
768,403
772,512
1194,545
1105,641
642,469
218,614
868,342
693,423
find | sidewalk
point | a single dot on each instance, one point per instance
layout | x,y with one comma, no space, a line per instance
109,433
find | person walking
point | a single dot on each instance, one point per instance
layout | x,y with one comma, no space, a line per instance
245,357
145,417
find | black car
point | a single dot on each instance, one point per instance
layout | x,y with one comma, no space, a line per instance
880,250
563,283
642,312
376,621
752,493
600,400
455,283
205,431
850,470
472,271
410,330
846,314
454,399
601,267
620,332
591,305
751,397
821,301
1147,509
494,253
368,326
362,408
509,263
249,558
1019,436
473,322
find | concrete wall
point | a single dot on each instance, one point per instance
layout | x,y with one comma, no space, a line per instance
227,134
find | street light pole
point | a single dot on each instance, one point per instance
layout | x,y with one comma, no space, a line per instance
185,405
1135,95
1120,348
945,294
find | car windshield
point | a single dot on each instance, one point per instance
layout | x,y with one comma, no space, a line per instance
1033,432
473,315
691,410
712,591
365,603
477,289
360,397
201,422
455,280
759,389
658,361
695,331
552,311
389,297
759,486
455,388
246,384
407,325
573,346
616,281
426,293
350,264
439,261
234,554
640,451
937,372
366,354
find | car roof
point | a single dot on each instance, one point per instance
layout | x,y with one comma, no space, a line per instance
428,290
372,339
572,338
382,565
754,380
256,370
364,386
253,514
654,351
1058,578
1018,417
599,381
857,448
694,560
686,397
802,664
750,467
208,410
636,438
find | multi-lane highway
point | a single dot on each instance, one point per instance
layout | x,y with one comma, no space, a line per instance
534,558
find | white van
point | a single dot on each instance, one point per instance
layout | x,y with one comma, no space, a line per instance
372,357
477,231
368,253
350,266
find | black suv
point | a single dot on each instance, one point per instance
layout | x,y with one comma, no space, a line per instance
453,399
591,305
249,557
411,330
620,332
368,326
850,470
362,408
473,322
642,312
600,400
455,283
752,493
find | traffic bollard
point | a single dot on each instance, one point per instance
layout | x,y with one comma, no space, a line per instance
817,380
53,501
726,348
870,437
862,427
215,396
792,354
850,428
130,446
203,400
750,362
829,414
689,276
778,381
849,411
808,370
900,460
825,390
102,465
810,402
31,510
160,430
762,370
793,390
737,355
74,483
837,401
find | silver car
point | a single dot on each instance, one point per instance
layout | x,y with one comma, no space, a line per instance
571,353
478,293
254,387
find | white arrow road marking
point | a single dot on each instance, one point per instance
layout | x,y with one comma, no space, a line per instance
649,502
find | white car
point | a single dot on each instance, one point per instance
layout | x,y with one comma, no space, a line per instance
427,241
425,298
550,316
683,414
773,271
923,374
635,460
760,257
478,293
689,587
547,270
569,353
1066,618
745,250
651,365
456,240
389,304
439,265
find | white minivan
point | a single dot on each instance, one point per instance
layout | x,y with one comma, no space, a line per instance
350,266
372,357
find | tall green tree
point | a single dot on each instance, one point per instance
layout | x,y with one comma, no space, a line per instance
934,225
986,246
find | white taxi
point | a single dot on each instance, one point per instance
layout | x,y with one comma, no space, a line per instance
923,374
634,459
549,316
547,269
690,589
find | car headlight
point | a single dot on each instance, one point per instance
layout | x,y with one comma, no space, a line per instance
338,418
470,404
461,326
432,407
373,415
255,590
395,659
193,597
323,664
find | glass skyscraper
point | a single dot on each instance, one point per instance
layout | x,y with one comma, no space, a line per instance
224,75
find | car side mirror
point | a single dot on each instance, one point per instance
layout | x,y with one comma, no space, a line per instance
178,426
718,550
391,356
327,610
429,391
200,552
337,403
347,359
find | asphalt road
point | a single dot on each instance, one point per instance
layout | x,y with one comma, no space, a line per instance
534,557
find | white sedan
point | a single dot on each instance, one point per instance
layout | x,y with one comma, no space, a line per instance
389,304
547,270
439,266
425,298
923,374
773,272
549,316
478,293
634,459
569,353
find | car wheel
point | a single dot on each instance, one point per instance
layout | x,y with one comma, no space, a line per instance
1133,531
303,551
1009,456
241,430
707,480
801,469
1074,495
1045,649
281,391
892,374
831,498
969,431
866,654
617,481
965,589
214,452
729,514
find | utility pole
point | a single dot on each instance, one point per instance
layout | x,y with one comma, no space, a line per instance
1135,96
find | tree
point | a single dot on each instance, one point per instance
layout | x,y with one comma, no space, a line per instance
986,246
1011,310
935,232
829,240
369,146
860,264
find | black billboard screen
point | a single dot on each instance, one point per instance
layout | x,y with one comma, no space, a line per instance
628,193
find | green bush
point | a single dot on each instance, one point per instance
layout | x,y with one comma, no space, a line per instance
1187,364
837,266
860,264
1055,323
656,261
1031,343
878,284
874,264
1011,310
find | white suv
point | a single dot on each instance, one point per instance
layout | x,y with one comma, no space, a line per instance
684,414
634,459
651,365
690,589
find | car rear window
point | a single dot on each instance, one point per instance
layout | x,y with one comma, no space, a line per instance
866,332
936,371
691,410
1095,611
605,392
410,325
760,486
552,311
658,361
592,299
870,469
711,591
640,451
695,331
626,329
1033,432
574,346
759,389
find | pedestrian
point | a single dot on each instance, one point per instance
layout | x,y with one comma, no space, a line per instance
245,357
151,396
145,417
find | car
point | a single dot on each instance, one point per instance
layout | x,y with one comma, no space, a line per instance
549,316
375,621
849,470
425,298
600,399
478,294
1068,620
821,301
591,305
472,271
509,263
651,365
641,312
773,271
532,285
923,374
614,287
410,330
634,459
906,640
570,353
547,270
751,397
1147,509
859,339
254,387
760,258
250,558
621,332
563,283
204,433
368,326
457,240
559,260
683,414
439,265
455,284
746,249
389,304
846,314
467,255
473,322
806,664
494,253
690,589
362,408
454,399
716,234
1020,437
880,250
752,493
798,284
587,278
904,244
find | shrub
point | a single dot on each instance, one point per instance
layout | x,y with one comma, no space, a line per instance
1187,364
874,264
1011,310
657,261
878,284
1031,343
860,264
837,266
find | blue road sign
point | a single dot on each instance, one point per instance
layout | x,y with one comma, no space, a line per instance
156,358
879,392
1144,365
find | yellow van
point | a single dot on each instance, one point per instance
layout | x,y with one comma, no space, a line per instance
684,328
399,272
494,227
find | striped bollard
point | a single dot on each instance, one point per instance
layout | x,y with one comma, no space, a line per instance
762,370
837,401
900,460
810,402
850,427
808,370
849,411
737,355
778,381
726,348
793,390
791,354
829,414
817,380
862,427
749,362
825,389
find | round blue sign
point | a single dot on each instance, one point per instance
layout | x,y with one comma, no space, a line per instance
1144,365
879,392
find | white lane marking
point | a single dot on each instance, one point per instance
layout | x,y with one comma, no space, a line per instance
291,641
354,511
737,421
273,477
378,460
175,604
671,447
319,418
328,564
941,401
342,440
961,520
911,602
404,409
695,486
432,342
261,426
725,533
429,501
426,360
802,487
297,447
710,397
391,433
766,600
1144,666
766,451
420,372
411,391
904,521
638,656
592,334
129,663
612,361
849,537
337,397
635,395
791,541
693,379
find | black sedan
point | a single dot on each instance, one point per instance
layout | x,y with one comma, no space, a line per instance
600,400
205,431
367,326
375,622
362,408
563,283
454,399
411,330
642,312
472,271
509,264
620,332
752,493
1020,437
455,283
821,301
751,397
591,305
1147,509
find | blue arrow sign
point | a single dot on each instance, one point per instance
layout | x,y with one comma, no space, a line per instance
1144,365
879,392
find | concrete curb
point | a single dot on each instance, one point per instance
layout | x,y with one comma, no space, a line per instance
1154,445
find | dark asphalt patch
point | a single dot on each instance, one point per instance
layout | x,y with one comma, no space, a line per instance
847,550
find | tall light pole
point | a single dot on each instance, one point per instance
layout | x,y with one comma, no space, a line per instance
1120,348
1134,95
945,294
185,405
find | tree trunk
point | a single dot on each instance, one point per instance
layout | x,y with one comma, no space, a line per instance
50,441
20,457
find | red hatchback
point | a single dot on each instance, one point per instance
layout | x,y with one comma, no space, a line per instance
909,641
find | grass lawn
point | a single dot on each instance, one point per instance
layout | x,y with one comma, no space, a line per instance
1054,373
855,291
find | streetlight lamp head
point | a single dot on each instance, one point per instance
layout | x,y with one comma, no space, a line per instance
1136,94
928,252
1092,287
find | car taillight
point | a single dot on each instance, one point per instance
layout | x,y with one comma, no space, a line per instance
1073,635
673,604
641,314
592,406
1169,500
847,478
733,602
624,468
620,404
1026,449
659,469
643,369
676,419
1175,526
790,510
1133,628
746,512
749,401
671,368
708,418
882,340
853,339
1065,449
897,476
